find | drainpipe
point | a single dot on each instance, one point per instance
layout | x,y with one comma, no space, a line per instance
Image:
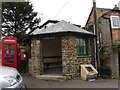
96,47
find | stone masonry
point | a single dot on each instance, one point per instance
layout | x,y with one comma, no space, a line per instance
70,60
35,63
113,61
114,64
69,57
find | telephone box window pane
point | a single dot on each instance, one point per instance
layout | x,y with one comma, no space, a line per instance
9,53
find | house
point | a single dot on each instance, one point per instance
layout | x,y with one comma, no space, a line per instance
108,33
59,49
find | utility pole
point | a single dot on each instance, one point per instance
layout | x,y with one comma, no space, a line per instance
96,47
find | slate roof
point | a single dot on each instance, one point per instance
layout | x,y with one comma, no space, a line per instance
60,27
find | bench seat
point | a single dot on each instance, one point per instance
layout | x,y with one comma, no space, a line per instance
47,61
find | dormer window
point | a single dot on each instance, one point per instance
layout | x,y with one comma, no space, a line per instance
115,21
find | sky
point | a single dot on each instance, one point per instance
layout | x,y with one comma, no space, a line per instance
74,11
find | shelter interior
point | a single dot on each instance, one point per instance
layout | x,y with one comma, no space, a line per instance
52,56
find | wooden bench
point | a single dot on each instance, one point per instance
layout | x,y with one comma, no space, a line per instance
52,60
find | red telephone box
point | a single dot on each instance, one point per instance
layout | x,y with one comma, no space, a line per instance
9,51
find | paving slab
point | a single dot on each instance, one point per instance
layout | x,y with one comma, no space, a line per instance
32,82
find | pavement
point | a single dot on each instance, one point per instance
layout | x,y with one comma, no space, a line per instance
32,82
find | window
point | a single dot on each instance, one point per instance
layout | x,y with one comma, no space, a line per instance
82,47
9,57
115,22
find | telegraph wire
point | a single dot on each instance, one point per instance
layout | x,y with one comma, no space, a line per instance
61,9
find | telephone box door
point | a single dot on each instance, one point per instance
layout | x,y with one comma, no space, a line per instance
9,52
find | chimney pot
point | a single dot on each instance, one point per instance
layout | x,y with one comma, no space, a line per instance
116,8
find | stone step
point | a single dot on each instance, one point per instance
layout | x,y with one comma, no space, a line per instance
51,77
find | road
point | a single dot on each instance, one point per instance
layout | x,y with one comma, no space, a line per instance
32,82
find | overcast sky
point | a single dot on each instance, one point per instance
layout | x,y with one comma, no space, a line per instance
75,11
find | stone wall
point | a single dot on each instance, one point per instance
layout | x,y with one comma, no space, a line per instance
114,64
69,57
35,62
104,27
70,61
112,61
84,60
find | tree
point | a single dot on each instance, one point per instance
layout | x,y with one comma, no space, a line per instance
17,19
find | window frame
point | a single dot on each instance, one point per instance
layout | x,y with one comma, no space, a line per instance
118,18
86,47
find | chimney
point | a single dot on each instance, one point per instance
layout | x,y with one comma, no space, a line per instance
116,8
119,5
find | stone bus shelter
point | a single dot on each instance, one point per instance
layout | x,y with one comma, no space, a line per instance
56,47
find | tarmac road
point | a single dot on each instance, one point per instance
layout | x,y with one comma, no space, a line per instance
32,82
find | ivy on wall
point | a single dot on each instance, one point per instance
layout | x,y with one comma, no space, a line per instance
115,45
